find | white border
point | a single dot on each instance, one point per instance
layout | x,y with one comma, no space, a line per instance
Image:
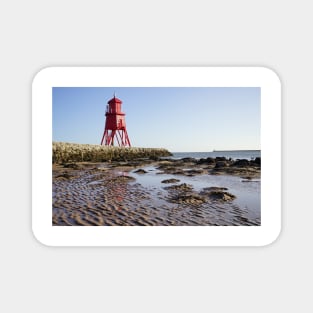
156,77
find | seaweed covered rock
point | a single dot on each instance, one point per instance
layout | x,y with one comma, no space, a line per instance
140,171
256,161
210,189
221,195
193,172
208,161
188,199
217,193
221,164
73,166
241,163
183,187
170,181
121,179
188,160
64,176
217,159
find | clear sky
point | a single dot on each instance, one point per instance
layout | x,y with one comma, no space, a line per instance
178,119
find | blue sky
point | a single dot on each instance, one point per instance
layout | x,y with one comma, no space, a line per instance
179,119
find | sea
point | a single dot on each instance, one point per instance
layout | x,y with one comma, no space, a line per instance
233,154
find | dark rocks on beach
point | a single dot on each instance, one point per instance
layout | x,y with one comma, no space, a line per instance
221,195
178,172
241,163
182,194
73,166
208,160
221,164
188,160
188,199
256,161
183,187
220,159
122,179
154,158
179,168
201,161
140,171
217,193
170,181
215,166
240,167
134,163
170,170
249,181
209,189
166,167
194,172
64,175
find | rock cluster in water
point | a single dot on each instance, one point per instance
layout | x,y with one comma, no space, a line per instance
213,166
184,194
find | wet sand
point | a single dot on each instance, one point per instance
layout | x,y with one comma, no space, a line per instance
105,194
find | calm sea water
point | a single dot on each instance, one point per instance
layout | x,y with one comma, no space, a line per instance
234,154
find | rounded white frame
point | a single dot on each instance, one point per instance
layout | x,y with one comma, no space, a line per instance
261,77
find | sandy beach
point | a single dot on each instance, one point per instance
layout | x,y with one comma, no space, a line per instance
168,192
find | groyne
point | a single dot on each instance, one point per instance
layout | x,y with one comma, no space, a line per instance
63,152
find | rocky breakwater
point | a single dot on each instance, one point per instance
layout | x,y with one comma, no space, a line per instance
63,152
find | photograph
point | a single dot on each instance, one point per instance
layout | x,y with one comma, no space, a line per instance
156,156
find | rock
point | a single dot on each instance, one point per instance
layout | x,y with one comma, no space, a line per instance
246,178
183,187
221,164
241,163
256,161
220,159
170,181
250,181
101,168
188,199
71,165
201,161
208,160
209,189
177,172
154,158
64,175
188,160
140,171
122,179
193,172
221,196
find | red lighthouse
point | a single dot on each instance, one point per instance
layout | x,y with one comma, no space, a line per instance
115,126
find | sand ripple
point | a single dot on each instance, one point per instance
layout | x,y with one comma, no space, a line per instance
93,197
